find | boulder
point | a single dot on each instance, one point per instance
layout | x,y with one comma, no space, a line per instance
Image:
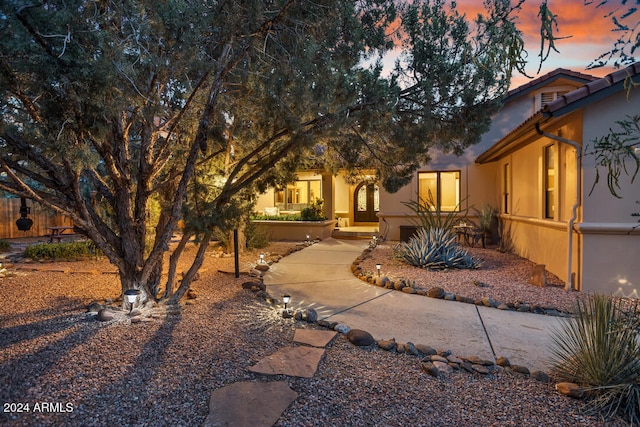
425,349
94,307
360,338
411,349
443,367
520,369
409,290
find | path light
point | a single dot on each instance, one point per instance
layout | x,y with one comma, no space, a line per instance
378,267
308,237
285,299
131,295
261,258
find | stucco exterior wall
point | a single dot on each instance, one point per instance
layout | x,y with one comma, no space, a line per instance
610,243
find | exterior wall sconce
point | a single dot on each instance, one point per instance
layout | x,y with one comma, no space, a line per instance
378,267
131,295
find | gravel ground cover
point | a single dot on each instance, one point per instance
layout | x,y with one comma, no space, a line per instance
72,370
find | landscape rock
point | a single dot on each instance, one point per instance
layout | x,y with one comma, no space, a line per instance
436,292
503,361
409,290
430,369
411,349
520,369
540,376
310,315
443,367
570,389
94,307
538,276
360,338
105,315
481,369
425,349
342,328
388,345
262,267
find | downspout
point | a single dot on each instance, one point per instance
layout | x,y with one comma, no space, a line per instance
574,214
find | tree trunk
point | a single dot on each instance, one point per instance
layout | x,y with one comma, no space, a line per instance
191,273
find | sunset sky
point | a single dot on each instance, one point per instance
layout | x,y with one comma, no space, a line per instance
589,34
590,31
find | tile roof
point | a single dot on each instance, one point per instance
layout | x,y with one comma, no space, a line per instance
590,92
544,79
609,81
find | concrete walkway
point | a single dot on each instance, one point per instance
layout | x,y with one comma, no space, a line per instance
320,277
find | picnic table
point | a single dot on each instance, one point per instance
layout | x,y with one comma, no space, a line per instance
59,232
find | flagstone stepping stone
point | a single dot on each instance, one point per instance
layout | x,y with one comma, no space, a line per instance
300,361
254,404
313,337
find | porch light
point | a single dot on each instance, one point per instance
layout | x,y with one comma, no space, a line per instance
285,299
131,295
378,267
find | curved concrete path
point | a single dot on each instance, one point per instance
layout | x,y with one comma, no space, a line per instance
320,277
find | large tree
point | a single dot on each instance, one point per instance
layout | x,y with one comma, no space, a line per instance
111,107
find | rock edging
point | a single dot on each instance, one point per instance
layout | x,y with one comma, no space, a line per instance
409,287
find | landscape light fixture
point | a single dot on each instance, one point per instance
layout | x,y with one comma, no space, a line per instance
378,267
308,237
285,299
261,258
131,295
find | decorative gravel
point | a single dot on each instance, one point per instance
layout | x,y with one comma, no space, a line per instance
501,276
61,367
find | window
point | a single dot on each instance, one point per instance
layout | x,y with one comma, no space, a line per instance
298,195
549,181
443,188
506,184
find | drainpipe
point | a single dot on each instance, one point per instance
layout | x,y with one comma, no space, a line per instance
574,214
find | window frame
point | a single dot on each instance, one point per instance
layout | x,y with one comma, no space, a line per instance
286,193
438,196
549,194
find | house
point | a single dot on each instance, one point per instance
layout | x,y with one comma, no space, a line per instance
531,167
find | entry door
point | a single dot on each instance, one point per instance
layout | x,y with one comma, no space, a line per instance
367,202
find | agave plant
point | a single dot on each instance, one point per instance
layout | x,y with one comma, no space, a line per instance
599,349
435,249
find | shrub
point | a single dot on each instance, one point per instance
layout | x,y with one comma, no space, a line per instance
435,249
599,349
5,246
257,236
61,250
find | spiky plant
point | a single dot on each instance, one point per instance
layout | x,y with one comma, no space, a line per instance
599,349
435,249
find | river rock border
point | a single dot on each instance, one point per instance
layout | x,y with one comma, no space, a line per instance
410,287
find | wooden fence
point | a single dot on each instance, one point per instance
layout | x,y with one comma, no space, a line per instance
42,218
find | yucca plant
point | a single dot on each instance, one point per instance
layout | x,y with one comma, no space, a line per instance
430,215
435,249
599,349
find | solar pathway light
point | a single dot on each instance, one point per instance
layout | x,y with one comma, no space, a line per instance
131,295
378,267
261,258
285,299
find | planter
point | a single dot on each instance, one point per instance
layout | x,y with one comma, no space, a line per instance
297,230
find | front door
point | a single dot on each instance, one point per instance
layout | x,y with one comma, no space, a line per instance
367,202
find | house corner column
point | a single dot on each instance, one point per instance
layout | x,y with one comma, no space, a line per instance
328,194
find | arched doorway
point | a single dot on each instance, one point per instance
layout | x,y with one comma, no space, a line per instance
366,202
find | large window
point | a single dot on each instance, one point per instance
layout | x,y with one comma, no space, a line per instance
298,195
441,188
549,181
